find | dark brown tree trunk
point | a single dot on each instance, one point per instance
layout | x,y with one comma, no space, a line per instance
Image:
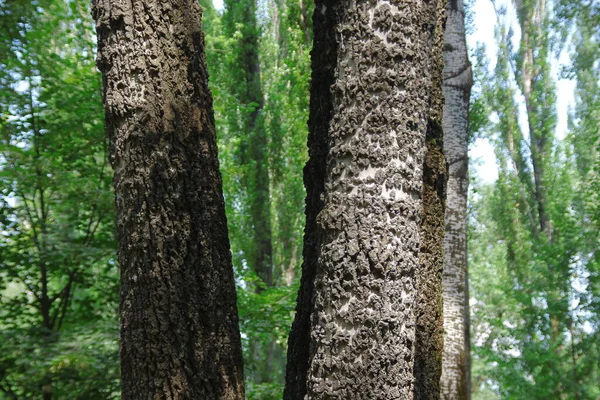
179,323
354,332
429,341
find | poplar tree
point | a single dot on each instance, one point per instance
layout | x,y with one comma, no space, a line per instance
533,231
247,126
429,333
278,33
354,332
457,90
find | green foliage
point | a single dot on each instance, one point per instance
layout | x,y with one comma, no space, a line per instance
83,362
535,272
259,78
533,244
58,279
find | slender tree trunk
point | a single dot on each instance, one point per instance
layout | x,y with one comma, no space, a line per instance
179,323
304,20
40,235
531,20
455,381
256,144
429,324
354,332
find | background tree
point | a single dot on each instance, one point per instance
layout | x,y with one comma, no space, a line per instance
248,125
281,35
584,139
455,380
179,324
356,313
537,305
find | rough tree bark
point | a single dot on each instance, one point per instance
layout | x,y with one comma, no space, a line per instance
455,381
429,323
179,323
354,332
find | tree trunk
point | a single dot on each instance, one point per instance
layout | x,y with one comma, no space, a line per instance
179,323
455,381
531,21
429,323
354,332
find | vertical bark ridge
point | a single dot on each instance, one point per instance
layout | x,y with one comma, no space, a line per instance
429,321
257,147
179,323
323,60
455,380
354,332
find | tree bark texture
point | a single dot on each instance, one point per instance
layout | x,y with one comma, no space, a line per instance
429,323
354,332
455,381
179,323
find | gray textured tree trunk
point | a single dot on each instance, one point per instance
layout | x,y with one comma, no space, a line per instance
179,323
354,332
455,381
